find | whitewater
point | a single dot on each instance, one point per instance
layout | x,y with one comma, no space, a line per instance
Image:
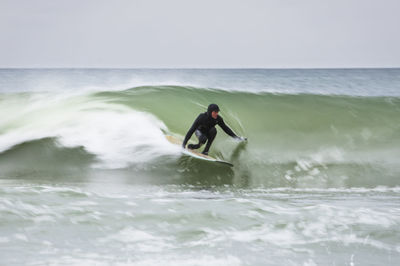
88,178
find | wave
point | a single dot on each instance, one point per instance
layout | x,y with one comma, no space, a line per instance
301,140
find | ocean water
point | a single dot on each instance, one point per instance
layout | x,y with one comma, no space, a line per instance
88,178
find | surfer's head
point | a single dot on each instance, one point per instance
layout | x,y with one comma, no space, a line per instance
213,110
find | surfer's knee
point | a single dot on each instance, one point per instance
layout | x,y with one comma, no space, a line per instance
202,139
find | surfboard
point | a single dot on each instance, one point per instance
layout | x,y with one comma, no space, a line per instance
195,154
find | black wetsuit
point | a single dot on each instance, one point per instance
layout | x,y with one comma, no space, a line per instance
204,125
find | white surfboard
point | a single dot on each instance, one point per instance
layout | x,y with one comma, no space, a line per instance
194,153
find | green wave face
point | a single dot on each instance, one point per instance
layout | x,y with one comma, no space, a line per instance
293,139
299,140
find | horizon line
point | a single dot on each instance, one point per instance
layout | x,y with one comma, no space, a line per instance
201,68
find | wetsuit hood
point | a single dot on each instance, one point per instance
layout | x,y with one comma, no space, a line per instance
211,108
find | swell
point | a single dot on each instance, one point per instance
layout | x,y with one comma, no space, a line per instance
37,157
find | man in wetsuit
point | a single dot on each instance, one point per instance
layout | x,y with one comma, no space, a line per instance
204,128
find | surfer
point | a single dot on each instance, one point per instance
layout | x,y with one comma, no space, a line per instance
204,129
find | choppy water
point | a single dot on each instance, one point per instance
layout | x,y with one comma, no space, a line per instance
87,177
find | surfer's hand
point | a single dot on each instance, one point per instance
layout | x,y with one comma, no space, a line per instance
240,138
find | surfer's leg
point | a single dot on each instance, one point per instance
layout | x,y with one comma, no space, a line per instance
193,146
202,139
211,136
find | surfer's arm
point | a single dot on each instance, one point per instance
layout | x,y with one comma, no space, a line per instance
191,131
227,130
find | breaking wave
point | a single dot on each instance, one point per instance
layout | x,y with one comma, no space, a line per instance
298,140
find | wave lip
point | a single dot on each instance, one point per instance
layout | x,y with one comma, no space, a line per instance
356,82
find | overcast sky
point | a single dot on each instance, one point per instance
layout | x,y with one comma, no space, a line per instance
198,34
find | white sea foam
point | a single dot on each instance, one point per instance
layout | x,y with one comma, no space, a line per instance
198,261
100,260
117,135
130,235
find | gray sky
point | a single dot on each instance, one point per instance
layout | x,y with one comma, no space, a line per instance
204,33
